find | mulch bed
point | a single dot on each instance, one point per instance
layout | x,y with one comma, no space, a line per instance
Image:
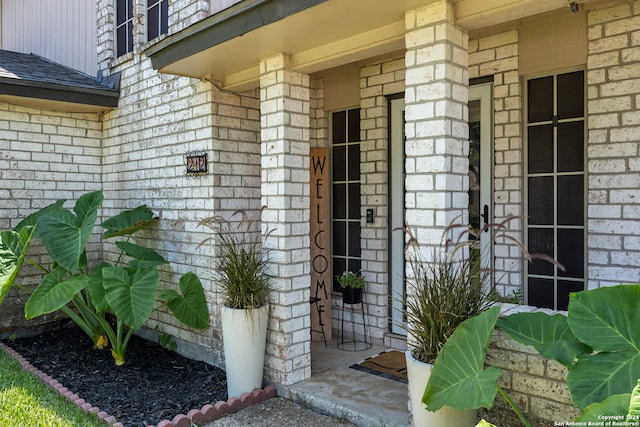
155,384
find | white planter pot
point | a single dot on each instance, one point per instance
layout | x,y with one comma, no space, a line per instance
418,374
244,333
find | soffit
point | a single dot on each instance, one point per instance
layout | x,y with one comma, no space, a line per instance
321,34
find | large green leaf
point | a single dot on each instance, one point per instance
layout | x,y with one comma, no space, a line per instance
550,335
127,222
607,319
53,292
96,288
131,293
144,257
13,250
458,379
65,235
33,218
615,405
191,307
634,403
597,376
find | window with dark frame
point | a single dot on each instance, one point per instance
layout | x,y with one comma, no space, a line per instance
124,27
555,188
157,18
345,217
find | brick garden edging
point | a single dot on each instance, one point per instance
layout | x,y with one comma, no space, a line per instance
208,412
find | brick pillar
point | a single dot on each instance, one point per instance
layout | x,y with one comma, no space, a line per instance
436,114
284,106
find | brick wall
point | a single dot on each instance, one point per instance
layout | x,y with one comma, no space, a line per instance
161,118
44,156
497,55
285,107
613,91
377,81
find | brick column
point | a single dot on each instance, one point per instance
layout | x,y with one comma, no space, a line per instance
436,144
284,106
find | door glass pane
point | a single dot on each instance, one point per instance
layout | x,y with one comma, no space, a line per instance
354,162
571,204
474,164
540,292
571,252
571,147
339,162
339,238
565,287
339,201
540,100
354,200
571,95
540,149
354,239
541,242
354,125
339,264
339,121
540,200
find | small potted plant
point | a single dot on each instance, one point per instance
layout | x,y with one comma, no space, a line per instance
351,285
243,280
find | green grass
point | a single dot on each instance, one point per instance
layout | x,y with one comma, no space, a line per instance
26,402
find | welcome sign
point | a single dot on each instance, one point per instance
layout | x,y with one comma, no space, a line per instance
320,226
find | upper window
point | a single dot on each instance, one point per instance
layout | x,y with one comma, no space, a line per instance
124,26
157,18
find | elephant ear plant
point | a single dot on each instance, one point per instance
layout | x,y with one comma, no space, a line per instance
127,288
598,341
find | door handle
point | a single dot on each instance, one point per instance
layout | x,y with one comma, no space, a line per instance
485,218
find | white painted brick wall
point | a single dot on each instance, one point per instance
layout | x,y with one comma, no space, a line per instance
285,107
377,80
44,156
613,88
497,55
436,120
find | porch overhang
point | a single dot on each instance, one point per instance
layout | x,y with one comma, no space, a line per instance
317,34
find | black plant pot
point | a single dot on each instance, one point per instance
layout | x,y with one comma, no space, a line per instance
352,295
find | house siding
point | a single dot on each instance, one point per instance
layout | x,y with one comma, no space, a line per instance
26,26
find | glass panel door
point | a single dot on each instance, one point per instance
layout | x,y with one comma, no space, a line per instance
396,217
480,171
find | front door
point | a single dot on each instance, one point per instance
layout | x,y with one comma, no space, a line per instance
480,191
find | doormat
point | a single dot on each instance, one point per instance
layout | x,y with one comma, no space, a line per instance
389,364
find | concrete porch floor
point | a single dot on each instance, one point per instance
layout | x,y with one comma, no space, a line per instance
361,398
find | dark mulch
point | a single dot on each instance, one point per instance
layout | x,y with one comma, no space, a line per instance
155,384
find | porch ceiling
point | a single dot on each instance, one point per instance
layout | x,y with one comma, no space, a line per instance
318,34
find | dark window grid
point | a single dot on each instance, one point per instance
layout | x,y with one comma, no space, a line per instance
351,139
556,277
157,18
124,27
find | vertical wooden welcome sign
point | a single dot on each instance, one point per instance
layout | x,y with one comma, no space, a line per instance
320,227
